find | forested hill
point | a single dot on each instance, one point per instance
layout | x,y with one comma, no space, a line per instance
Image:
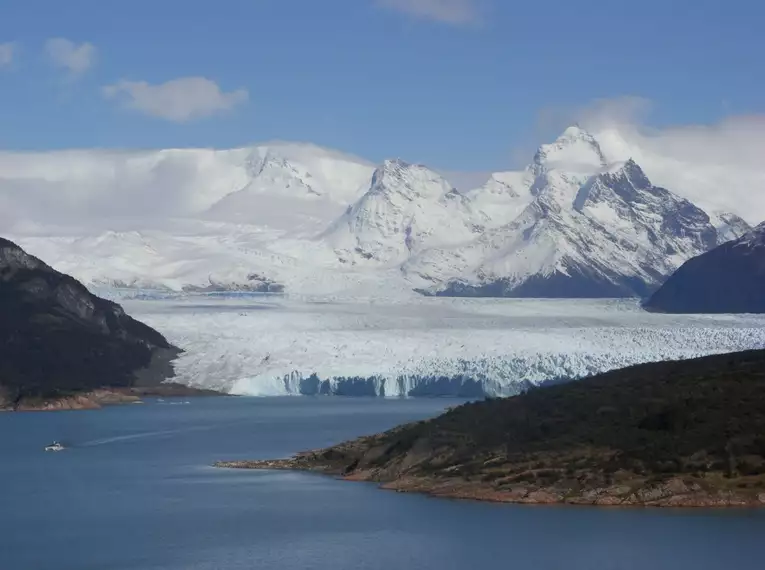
686,433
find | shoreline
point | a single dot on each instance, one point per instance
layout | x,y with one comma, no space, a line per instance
676,492
107,396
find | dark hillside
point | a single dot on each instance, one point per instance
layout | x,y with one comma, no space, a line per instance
727,279
57,339
669,433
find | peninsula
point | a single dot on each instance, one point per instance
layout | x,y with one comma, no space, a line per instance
668,434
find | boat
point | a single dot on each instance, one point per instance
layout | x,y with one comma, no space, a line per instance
55,446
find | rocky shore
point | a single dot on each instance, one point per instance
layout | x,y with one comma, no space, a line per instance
683,492
669,434
97,399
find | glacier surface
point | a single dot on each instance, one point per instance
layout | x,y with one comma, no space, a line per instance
273,346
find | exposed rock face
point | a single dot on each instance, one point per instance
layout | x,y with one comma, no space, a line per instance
57,339
728,279
670,434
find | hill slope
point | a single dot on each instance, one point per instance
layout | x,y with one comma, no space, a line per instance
727,279
57,339
686,433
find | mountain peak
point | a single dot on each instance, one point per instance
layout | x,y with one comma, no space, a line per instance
394,164
575,131
730,227
756,237
409,180
407,208
628,171
576,150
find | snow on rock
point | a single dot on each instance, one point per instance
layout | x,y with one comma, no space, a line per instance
593,231
755,238
451,347
291,186
729,226
408,208
503,197
726,179
311,221
576,150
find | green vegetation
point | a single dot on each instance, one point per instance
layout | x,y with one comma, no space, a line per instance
688,433
665,418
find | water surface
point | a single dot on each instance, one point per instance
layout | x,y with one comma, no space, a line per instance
135,491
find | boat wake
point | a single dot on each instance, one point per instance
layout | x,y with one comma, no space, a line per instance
147,435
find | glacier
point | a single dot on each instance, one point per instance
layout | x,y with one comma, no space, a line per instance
274,345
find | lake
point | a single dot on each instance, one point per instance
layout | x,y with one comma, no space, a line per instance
135,491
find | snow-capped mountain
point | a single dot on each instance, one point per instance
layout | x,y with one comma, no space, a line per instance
729,226
407,209
290,186
574,151
276,185
309,220
591,230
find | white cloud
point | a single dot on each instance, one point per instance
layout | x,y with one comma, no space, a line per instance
66,54
7,52
448,11
177,100
718,166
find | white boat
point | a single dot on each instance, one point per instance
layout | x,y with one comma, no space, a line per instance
55,446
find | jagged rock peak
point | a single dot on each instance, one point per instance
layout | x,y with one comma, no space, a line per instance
13,258
756,237
625,181
628,171
508,183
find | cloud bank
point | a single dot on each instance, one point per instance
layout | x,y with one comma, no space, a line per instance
178,100
719,166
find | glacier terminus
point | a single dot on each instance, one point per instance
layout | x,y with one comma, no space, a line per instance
293,269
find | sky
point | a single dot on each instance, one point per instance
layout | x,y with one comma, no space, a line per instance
468,85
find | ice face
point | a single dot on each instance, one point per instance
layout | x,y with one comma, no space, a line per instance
272,346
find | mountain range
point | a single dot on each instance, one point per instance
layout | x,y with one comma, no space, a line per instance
582,220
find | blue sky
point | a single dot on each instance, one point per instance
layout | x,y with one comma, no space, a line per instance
457,84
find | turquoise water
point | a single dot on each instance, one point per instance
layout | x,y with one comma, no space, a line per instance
135,491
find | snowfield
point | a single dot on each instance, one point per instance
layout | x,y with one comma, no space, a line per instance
275,346
582,219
